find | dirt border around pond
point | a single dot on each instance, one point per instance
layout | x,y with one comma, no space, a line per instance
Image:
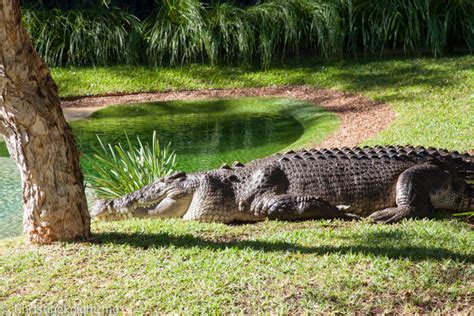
360,118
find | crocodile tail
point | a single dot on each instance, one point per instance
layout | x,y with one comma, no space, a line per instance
469,177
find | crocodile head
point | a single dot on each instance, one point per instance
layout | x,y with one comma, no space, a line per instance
167,197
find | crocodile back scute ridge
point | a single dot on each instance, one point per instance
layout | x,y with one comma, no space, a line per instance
363,176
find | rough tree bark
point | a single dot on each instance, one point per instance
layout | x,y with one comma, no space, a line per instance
38,138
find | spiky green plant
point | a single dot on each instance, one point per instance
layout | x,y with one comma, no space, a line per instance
465,214
277,28
323,28
97,36
384,24
116,170
453,21
176,33
414,25
233,37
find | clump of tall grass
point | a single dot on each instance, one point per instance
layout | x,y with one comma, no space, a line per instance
323,27
272,29
231,33
412,25
390,24
98,36
278,28
118,170
177,33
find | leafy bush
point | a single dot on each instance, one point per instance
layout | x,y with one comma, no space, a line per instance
412,24
176,33
117,170
84,36
277,28
231,33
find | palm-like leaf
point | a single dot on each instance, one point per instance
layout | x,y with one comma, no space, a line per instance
117,170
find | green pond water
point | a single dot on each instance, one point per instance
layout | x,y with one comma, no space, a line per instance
204,135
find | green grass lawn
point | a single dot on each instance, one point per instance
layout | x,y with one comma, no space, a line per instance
311,266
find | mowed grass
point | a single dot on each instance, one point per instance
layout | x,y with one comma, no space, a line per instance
311,266
433,98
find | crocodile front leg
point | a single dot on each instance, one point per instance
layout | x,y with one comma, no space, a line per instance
214,201
210,201
418,188
296,207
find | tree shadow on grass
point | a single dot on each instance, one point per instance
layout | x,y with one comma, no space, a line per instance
388,249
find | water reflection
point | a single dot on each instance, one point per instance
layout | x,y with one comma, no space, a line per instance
202,140
10,199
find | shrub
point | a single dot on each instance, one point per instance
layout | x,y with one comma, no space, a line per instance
176,33
116,170
84,36
324,28
232,34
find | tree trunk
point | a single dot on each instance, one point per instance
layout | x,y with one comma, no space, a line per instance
38,138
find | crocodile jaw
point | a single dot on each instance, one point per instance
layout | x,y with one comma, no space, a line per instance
164,201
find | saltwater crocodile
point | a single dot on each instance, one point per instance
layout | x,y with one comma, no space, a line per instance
385,183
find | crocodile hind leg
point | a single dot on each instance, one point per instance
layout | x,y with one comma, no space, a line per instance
415,189
296,207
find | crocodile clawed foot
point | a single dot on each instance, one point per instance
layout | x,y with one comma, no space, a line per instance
390,215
